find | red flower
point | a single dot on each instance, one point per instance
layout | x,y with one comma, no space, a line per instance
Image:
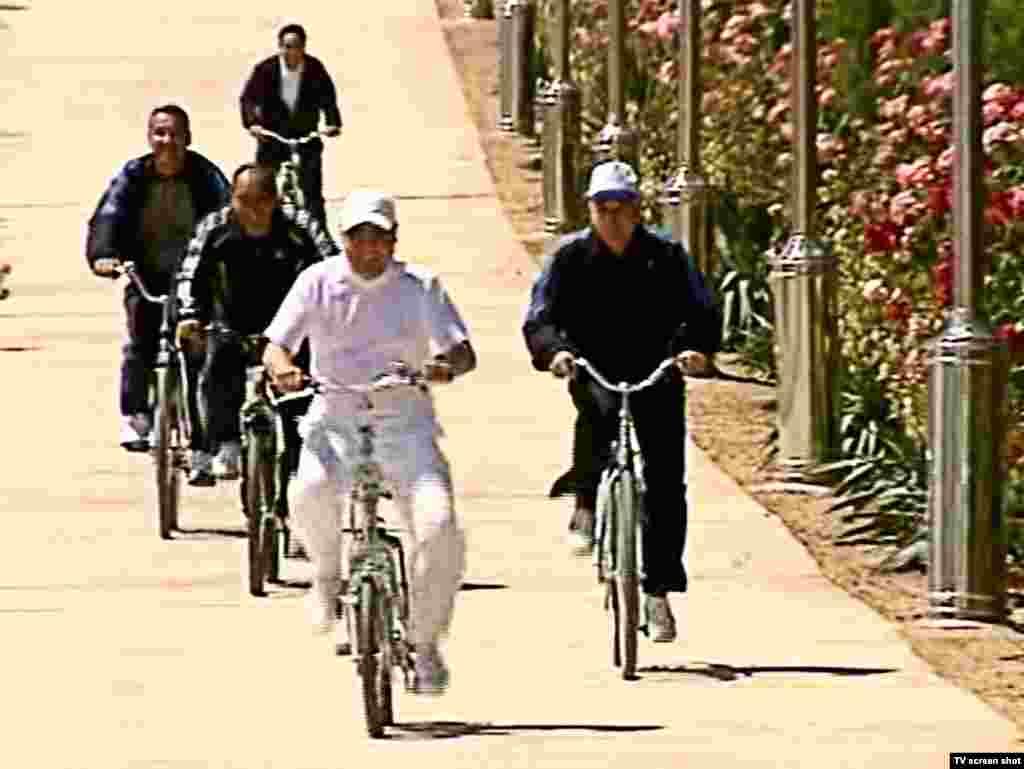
1013,337
940,199
1000,208
942,282
881,238
898,311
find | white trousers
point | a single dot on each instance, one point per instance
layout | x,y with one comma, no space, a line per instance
405,446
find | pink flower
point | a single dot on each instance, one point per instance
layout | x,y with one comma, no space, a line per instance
746,42
860,203
992,112
667,25
904,208
1000,133
776,112
946,160
827,97
915,174
938,87
1017,111
1015,199
999,92
917,116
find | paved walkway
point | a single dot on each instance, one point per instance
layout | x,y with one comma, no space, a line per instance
121,651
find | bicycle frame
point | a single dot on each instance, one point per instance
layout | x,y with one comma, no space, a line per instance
289,184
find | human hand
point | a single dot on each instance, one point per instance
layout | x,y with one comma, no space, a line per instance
692,362
332,130
563,364
256,130
106,268
288,379
438,371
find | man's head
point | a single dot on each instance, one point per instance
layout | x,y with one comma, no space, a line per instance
614,203
369,229
291,42
254,198
169,133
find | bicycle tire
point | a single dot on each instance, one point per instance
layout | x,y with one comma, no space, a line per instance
367,620
627,578
271,545
168,477
384,681
259,492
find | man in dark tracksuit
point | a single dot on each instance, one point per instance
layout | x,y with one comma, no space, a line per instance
146,216
238,269
286,94
624,299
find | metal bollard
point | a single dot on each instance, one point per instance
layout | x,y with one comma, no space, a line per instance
505,66
967,549
684,203
478,9
561,156
521,42
803,280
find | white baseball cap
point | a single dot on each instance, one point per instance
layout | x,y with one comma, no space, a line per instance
613,180
362,206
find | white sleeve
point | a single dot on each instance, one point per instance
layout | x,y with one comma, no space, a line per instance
444,324
290,326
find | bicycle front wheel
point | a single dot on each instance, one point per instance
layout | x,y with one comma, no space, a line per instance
368,621
259,495
627,578
168,477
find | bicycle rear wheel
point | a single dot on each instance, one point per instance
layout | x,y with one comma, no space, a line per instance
168,475
627,581
259,495
368,622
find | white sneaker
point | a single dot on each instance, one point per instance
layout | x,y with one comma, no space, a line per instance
201,473
581,533
431,676
135,431
227,465
322,605
661,625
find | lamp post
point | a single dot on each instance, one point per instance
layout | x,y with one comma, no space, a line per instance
561,105
685,197
803,280
967,381
616,140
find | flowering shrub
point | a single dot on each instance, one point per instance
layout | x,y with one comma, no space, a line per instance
885,182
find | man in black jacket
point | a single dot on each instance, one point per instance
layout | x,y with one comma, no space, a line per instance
286,94
238,269
146,216
624,298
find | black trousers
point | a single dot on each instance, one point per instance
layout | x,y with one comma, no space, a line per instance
311,175
660,418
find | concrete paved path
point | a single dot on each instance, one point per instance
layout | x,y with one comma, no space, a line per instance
121,651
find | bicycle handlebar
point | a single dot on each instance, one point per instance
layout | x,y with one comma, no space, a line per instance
625,388
396,376
128,269
292,142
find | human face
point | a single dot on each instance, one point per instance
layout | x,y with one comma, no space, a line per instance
292,49
614,221
253,207
369,249
168,140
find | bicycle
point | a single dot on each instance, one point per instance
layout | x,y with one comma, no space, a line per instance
375,587
265,462
289,182
170,409
618,529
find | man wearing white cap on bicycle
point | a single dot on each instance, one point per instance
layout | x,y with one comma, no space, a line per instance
622,297
361,312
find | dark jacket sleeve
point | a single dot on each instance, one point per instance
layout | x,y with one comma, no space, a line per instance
700,314
254,93
318,244
327,93
195,278
106,237
214,191
541,328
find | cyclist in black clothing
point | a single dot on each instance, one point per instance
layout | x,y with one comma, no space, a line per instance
238,269
623,298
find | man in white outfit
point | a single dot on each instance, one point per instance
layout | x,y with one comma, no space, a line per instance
361,312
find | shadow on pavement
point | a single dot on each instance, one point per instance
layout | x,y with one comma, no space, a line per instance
483,586
204,533
442,730
722,672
